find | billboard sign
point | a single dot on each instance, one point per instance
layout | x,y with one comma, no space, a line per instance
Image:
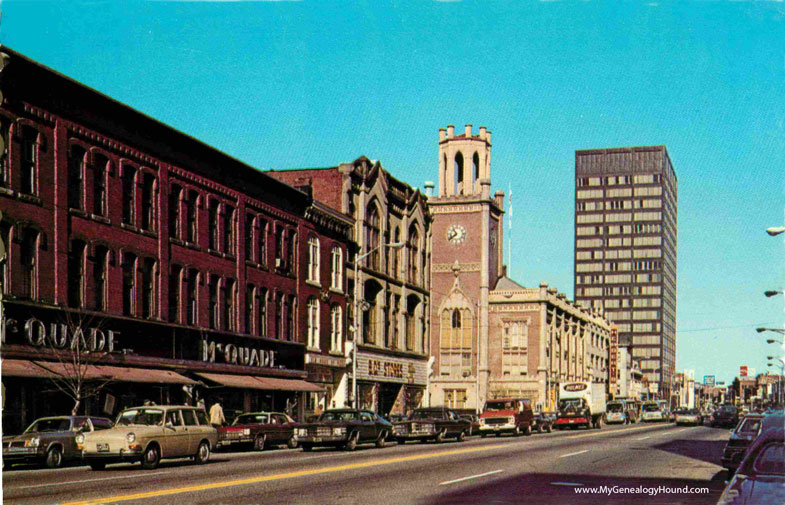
708,380
743,371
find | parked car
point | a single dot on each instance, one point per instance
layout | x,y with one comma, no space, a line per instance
507,415
149,434
688,416
344,428
616,412
50,440
431,423
652,412
260,430
740,439
726,416
474,423
760,479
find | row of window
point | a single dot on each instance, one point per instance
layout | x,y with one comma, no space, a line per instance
416,261
613,180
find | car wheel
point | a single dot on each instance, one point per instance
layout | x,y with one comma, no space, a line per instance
306,447
258,443
527,430
461,436
151,458
517,430
292,442
380,442
440,437
540,429
97,465
202,453
54,457
351,444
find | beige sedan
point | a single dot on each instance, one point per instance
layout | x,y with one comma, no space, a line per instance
149,434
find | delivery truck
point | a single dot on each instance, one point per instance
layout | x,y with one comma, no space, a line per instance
581,404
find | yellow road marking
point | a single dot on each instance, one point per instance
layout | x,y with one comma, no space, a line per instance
267,478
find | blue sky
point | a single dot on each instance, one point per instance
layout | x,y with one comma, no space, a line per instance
306,84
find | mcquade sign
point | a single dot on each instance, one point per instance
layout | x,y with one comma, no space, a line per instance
62,336
236,354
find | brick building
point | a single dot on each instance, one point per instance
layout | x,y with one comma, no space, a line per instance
190,273
491,336
391,285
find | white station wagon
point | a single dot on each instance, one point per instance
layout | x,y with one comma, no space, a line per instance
149,434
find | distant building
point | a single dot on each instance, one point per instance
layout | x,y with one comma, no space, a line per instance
491,337
625,251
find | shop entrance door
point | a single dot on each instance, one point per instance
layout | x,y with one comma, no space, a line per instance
388,393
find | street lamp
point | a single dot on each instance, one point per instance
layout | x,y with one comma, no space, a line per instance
775,230
769,294
775,330
774,341
356,309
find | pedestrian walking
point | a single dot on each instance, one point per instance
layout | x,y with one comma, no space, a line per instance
217,415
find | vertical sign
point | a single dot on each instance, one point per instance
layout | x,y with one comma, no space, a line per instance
743,371
613,359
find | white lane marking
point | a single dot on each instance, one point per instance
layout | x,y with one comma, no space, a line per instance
643,438
573,453
573,484
92,480
468,478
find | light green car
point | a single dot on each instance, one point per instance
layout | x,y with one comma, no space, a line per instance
149,434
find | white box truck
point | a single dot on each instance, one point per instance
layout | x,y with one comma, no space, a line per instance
581,404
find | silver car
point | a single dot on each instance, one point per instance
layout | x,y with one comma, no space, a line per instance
149,434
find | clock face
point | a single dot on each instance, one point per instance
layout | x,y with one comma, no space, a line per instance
456,234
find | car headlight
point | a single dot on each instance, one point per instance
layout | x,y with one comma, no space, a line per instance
33,442
247,431
79,439
339,432
301,432
131,438
511,420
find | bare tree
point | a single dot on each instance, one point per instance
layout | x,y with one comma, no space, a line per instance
78,346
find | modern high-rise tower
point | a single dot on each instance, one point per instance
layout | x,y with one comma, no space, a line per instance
625,250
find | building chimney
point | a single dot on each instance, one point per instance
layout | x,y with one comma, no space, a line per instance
442,134
450,131
429,185
468,131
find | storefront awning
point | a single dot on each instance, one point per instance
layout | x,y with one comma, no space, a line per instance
264,383
53,369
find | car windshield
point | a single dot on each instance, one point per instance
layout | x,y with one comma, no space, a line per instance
727,409
252,419
144,417
771,460
504,405
571,404
338,416
49,425
749,426
651,407
426,414
615,407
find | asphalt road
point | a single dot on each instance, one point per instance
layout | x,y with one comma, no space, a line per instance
558,468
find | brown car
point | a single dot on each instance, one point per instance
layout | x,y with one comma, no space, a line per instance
507,415
50,440
432,423
259,429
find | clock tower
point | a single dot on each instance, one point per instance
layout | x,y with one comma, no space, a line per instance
466,264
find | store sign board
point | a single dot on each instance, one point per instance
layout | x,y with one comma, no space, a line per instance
36,333
391,369
708,380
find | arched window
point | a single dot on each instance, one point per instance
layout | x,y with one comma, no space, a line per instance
414,255
261,315
129,284
374,231
149,202
456,319
29,260
458,166
313,323
76,278
175,219
129,194
100,277
476,166
192,297
29,161
313,259
336,276
76,164
336,329
175,293
149,296
228,300
100,174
